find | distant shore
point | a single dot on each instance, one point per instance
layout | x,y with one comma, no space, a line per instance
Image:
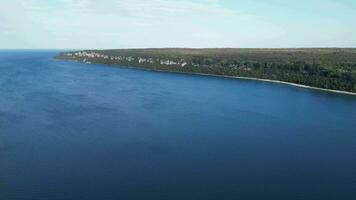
282,82
236,77
254,79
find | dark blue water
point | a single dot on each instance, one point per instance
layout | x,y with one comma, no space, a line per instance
73,131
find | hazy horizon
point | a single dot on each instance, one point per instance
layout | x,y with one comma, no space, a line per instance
78,49
113,24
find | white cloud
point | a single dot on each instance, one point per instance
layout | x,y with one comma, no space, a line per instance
117,23
143,23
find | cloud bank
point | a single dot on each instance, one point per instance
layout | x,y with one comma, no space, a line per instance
154,23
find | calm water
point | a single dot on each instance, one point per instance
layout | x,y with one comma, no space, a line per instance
73,131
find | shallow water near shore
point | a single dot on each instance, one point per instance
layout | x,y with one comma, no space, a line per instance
75,131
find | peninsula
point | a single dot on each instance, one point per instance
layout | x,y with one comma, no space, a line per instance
331,69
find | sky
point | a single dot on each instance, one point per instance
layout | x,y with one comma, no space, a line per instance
110,24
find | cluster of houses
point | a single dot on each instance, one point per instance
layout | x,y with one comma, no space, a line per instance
85,56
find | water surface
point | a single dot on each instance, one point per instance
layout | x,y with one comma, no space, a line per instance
73,131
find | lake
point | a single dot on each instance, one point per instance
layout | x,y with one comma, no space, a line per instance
75,131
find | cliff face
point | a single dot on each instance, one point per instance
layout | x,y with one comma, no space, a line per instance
324,68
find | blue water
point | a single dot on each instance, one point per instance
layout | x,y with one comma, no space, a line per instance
70,131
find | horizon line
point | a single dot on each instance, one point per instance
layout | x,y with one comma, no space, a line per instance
39,49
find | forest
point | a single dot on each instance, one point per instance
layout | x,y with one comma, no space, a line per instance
328,68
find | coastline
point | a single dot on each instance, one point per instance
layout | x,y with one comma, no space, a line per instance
230,77
259,79
284,83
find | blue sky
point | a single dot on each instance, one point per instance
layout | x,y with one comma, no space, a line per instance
176,23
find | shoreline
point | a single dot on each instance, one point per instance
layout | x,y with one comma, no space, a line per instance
230,77
260,79
283,83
